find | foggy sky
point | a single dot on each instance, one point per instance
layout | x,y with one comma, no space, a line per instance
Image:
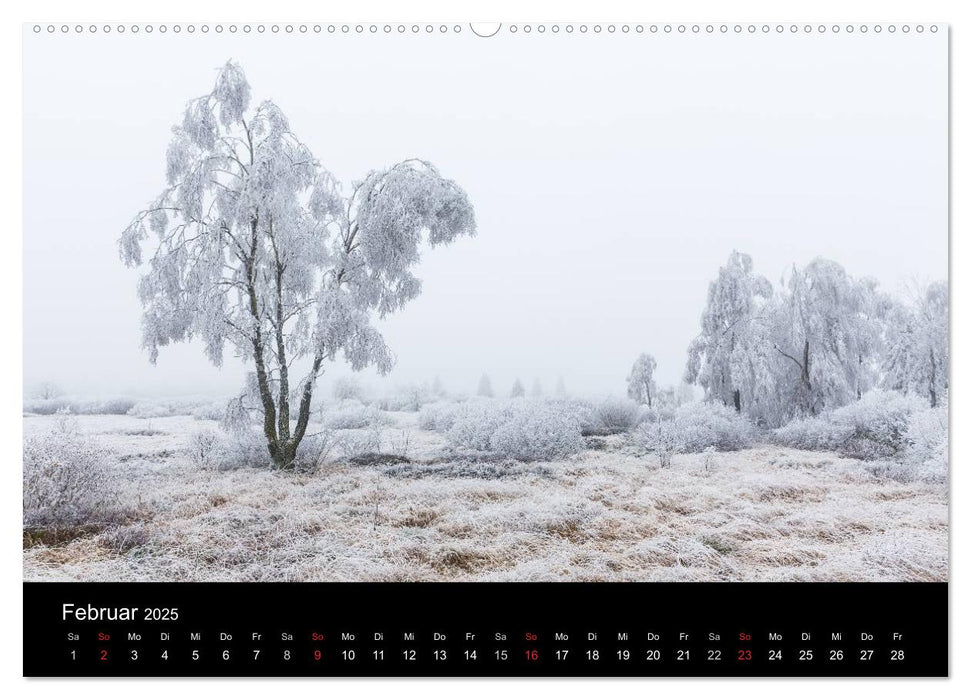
611,176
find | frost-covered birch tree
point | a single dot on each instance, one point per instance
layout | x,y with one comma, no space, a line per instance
254,244
640,382
717,357
826,336
917,355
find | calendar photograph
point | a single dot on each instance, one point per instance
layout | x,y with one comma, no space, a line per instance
328,303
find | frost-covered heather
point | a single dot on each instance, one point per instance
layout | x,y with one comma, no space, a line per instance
663,438
518,429
172,407
353,414
67,478
408,398
608,417
697,426
205,448
439,416
927,444
215,410
874,427
120,406
761,514
78,406
345,388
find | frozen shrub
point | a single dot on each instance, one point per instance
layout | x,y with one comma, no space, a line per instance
246,445
438,417
205,448
703,425
398,443
352,443
410,398
314,449
536,432
163,408
662,438
151,409
146,430
209,411
927,444
609,417
107,407
695,427
353,414
239,447
874,427
474,424
245,449
46,407
117,407
66,479
813,434
348,388
519,429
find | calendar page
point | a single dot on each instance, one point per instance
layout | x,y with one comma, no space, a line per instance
485,349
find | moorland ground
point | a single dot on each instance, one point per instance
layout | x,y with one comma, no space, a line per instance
610,513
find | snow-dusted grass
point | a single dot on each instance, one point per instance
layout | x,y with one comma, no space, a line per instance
760,514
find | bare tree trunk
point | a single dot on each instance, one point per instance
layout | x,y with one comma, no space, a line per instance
737,397
933,383
805,378
303,416
262,378
803,366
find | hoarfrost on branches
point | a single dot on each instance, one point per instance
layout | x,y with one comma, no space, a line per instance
721,358
640,382
822,341
519,429
827,334
918,352
255,244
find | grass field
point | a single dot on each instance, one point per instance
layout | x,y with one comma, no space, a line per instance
608,514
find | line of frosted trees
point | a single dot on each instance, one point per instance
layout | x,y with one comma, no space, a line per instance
819,341
518,388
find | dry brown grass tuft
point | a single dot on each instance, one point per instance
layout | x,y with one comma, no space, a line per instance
417,517
55,536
